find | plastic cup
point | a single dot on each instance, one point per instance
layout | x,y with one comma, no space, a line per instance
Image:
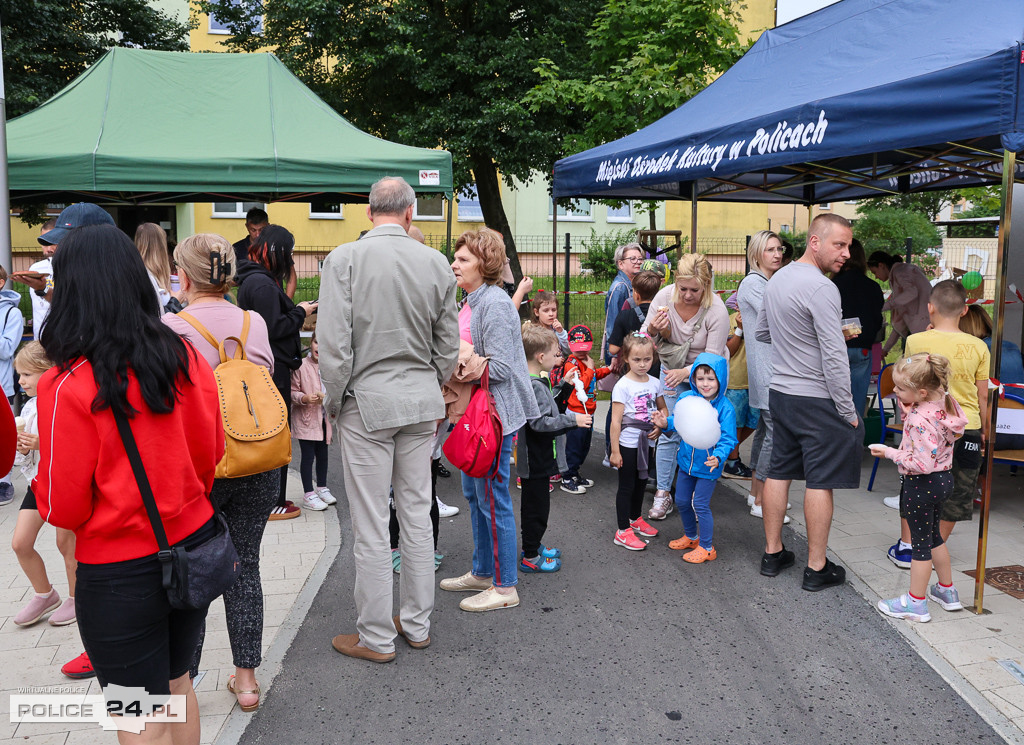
851,327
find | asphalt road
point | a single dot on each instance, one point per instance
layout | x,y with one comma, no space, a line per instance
619,647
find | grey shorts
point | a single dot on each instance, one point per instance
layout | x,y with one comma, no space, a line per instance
813,443
761,446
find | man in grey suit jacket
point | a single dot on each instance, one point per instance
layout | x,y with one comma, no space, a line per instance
389,338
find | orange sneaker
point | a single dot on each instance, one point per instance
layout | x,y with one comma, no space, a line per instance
700,555
681,544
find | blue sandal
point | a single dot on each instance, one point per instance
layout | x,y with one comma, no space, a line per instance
549,553
541,564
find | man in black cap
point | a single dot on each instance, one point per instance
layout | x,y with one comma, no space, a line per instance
77,215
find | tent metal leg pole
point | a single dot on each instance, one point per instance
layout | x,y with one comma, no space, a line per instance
448,240
693,219
989,425
554,245
5,196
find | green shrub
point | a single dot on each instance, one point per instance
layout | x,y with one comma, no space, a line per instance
600,248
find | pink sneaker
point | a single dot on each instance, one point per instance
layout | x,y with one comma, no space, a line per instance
640,526
627,539
37,608
64,615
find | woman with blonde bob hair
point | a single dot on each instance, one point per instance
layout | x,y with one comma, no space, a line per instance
490,322
765,254
206,264
685,319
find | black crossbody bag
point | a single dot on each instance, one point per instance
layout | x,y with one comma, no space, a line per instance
192,578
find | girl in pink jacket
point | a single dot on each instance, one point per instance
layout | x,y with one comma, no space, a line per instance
311,428
932,422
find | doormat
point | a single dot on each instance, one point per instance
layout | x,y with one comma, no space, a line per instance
1007,579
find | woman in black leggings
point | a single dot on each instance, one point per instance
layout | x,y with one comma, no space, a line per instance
205,265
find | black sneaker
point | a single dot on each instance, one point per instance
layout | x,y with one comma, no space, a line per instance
831,575
737,471
440,470
772,564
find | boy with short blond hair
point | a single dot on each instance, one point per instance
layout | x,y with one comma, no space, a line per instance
969,360
535,457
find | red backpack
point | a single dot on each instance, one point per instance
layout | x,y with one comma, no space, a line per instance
474,444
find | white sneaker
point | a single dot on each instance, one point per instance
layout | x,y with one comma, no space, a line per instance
663,506
755,510
325,494
750,500
893,502
312,501
446,510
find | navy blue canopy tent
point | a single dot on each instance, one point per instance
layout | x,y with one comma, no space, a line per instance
862,98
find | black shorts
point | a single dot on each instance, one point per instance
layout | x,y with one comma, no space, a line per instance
813,443
29,502
959,504
132,634
920,497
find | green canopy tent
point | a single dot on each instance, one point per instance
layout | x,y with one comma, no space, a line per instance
144,126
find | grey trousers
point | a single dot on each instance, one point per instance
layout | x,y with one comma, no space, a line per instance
373,461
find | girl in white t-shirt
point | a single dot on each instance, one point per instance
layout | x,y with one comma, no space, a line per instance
634,399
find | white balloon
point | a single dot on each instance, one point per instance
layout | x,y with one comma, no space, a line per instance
696,421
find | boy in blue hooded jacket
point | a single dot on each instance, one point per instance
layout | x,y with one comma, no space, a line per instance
699,470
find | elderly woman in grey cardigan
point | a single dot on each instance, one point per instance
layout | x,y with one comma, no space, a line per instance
764,253
495,331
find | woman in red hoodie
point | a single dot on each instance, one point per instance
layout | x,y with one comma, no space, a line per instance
112,352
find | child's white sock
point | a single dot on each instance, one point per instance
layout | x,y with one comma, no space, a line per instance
905,546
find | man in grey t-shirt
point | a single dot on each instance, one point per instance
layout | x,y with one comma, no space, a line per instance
817,430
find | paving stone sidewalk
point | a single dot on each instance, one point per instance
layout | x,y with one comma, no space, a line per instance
32,657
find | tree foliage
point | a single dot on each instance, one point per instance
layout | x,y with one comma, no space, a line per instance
985,201
431,73
883,228
48,43
646,58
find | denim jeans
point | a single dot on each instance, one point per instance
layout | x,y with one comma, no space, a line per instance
577,447
668,442
860,377
693,498
475,490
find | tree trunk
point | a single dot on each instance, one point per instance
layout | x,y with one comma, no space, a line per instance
488,190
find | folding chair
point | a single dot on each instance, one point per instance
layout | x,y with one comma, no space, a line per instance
884,390
877,362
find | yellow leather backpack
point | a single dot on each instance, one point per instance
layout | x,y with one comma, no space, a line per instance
255,418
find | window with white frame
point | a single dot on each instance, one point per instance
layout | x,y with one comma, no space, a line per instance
825,206
429,207
623,213
218,27
324,209
958,208
581,210
785,229
469,207
234,210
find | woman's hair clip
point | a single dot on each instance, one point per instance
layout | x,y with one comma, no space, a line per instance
218,272
641,335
